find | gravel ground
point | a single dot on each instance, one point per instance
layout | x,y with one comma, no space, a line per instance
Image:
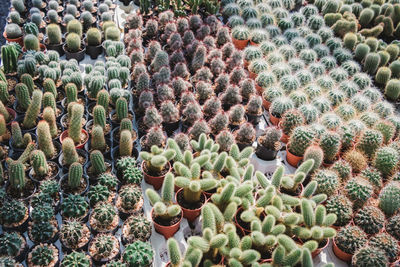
3,15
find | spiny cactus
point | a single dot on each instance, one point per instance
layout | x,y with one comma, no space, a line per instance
17,175
356,159
137,228
74,207
386,160
129,198
22,94
371,219
389,198
13,212
98,141
387,243
75,127
97,161
69,151
75,173
104,246
43,255
11,244
138,254
300,139
33,110
39,163
45,141
350,239
330,144
370,255
73,233
76,259
104,217
50,118
358,190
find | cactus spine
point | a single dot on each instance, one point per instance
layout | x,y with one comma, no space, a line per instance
17,175
33,110
97,161
50,118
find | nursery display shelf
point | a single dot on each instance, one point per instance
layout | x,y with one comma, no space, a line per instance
157,241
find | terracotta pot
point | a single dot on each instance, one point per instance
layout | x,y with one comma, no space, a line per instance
189,214
293,160
64,135
239,44
274,120
285,137
260,90
17,40
340,253
166,231
155,181
316,252
266,104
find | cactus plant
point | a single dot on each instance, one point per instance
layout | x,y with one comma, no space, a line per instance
12,244
136,228
350,239
43,255
13,213
138,254
74,207
76,258
104,247
300,139
75,127
371,219
74,234
45,141
104,217
358,190
386,160
389,198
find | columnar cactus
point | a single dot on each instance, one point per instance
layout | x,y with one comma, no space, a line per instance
69,151
121,108
75,127
17,175
125,143
45,141
39,163
50,118
73,42
75,173
33,110
98,141
97,161
53,32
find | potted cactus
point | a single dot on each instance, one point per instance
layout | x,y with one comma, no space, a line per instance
166,216
42,169
93,43
347,241
75,131
136,228
156,165
73,47
100,193
129,200
299,141
43,255
74,235
54,39
43,227
290,120
370,255
240,36
268,143
13,34
170,116
74,182
74,207
104,248
76,259
18,185
12,244
138,254
191,200
245,135
104,218
254,109
14,215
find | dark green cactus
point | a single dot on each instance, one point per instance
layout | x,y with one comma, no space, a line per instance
74,206
75,173
121,108
22,94
16,171
97,161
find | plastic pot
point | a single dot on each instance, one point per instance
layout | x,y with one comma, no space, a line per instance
265,153
64,135
155,181
340,253
65,177
292,159
254,119
79,56
190,214
167,231
316,252
55,47
171,127
115,154
65,167
94,51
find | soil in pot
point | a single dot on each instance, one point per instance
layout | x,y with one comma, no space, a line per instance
83,242
84,138
295,193
82,159
97,259
51,174
340,253
80,190
154,178
190,210
25,193
167,227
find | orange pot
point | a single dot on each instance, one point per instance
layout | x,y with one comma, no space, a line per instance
293,160
166,231
189,214
340,253
274,120
316,252
266,104
64,135
260,90
252,75
17,40
285,138
155,181
239,44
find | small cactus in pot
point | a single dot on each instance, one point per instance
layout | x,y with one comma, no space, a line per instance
268,143
138,254
129,200
245,135
104,218
43,255
103,248
74,207
136,228
74,234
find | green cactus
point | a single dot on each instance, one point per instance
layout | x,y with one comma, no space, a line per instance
74,207
53,32
98,141
31,42
156,160
130,197
387,243
370,255
103,99
50,118
50,86
95,86
103,217
39,163
350,239
73,42
22,94
69,152
392,89
125,143
359,190
45,141
72,232
137,228
4,95
13,212
43,254
389,198
11,244
330,144
369,142
371,219
75,173
17,175
300,139
76,259
121,108
138,254
75,127
33,110
74,26
97,161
